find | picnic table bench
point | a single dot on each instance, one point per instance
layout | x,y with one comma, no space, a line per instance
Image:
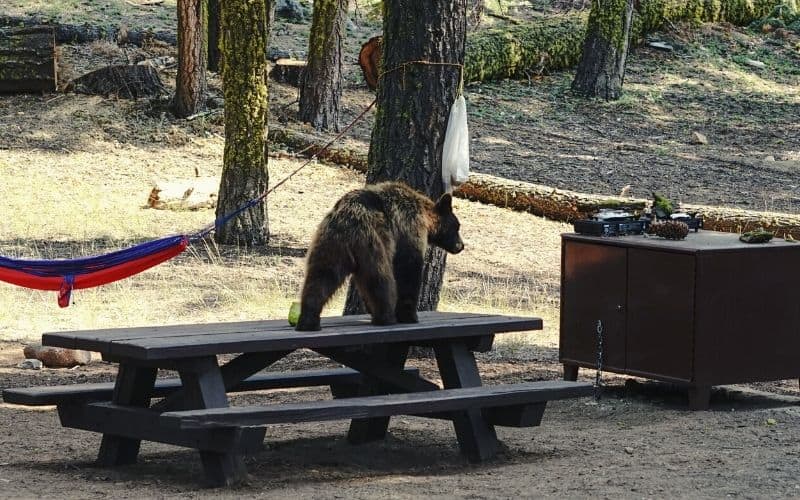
374,384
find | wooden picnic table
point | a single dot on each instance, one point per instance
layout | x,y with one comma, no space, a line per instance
374,385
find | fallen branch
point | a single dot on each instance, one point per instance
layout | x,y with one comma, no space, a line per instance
84,33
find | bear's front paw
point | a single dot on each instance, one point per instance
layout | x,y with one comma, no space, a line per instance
307,325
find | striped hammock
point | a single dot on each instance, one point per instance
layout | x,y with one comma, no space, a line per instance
65,275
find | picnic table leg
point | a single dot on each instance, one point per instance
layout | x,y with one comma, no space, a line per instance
457,366
205,388
364,430
133,387
570,372
699,397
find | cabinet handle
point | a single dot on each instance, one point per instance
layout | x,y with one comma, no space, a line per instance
619,308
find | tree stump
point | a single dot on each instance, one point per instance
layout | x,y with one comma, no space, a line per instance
288,71
601,69
28,59
129,81
369,58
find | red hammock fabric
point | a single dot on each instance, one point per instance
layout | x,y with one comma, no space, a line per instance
65,284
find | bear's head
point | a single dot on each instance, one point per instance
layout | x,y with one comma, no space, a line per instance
445,228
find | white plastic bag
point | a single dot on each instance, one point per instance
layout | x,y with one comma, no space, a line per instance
455,153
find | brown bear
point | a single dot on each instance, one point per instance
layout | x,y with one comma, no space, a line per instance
379,234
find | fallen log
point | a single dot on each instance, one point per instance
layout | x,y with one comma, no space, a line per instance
352,157
734,220
27,59
554,42
555,204
84,33
57,357
197,193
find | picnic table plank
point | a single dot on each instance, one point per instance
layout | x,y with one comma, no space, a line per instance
105,335
153,343
277,335
102,391
415,403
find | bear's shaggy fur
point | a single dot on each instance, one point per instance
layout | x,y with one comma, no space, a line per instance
379,234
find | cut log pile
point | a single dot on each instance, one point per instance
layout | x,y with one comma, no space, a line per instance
27,59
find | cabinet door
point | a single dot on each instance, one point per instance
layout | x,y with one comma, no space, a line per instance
593,288
660,313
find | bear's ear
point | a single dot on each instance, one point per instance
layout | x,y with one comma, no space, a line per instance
445,204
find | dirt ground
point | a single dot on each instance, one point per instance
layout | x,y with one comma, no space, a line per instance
637,441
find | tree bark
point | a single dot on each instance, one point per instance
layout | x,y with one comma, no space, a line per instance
245,36
414,102
601,69
321,87
213,38
190,83
27,60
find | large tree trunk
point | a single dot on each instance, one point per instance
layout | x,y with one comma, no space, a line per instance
414,102
190,83
245,36
601,69
27,60
213,39
321,87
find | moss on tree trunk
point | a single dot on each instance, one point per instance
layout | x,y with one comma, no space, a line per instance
414,102
245,27
321,85
553,43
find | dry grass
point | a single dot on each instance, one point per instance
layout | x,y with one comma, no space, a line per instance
76,172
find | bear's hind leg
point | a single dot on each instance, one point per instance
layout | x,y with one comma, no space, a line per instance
377,287
408,263
320,284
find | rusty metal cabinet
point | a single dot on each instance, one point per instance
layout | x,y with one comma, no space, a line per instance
708,310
